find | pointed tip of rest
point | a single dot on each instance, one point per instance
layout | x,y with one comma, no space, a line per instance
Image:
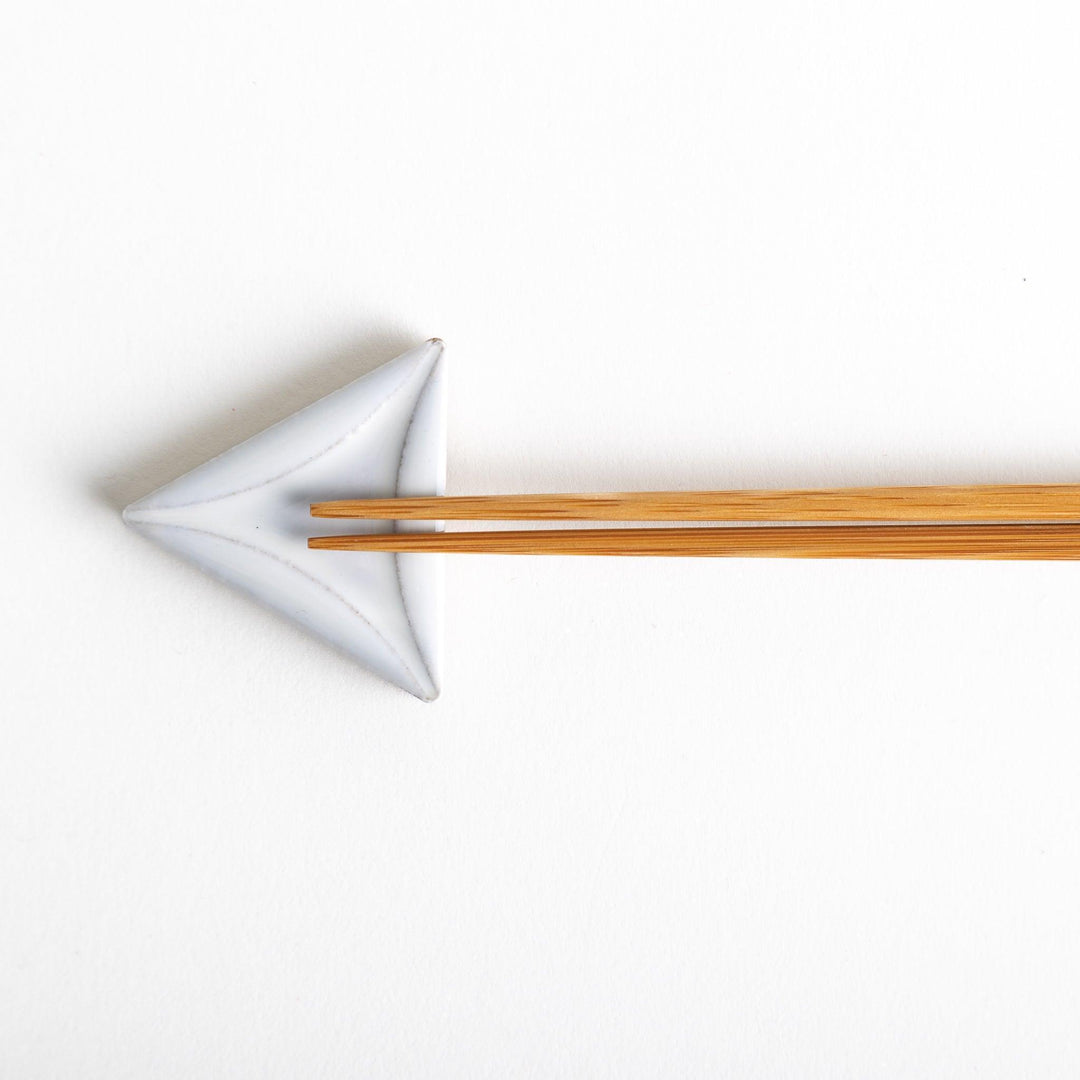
134,513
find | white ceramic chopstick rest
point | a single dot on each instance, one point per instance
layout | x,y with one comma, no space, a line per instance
244,517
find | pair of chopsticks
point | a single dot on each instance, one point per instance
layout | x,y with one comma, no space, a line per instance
973,522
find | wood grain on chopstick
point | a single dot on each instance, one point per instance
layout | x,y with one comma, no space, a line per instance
1051,542
1024,502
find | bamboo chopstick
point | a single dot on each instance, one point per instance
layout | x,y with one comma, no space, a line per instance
1052,542
997,502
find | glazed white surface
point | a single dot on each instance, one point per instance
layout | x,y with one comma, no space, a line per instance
244,517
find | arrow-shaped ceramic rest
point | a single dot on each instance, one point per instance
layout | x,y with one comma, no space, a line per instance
376,450
243,517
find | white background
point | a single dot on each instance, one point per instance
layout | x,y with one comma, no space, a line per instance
669,818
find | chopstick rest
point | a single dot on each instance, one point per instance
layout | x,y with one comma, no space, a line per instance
243,517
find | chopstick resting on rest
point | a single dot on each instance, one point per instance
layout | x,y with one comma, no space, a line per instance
1051,542
998,502
1013,522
